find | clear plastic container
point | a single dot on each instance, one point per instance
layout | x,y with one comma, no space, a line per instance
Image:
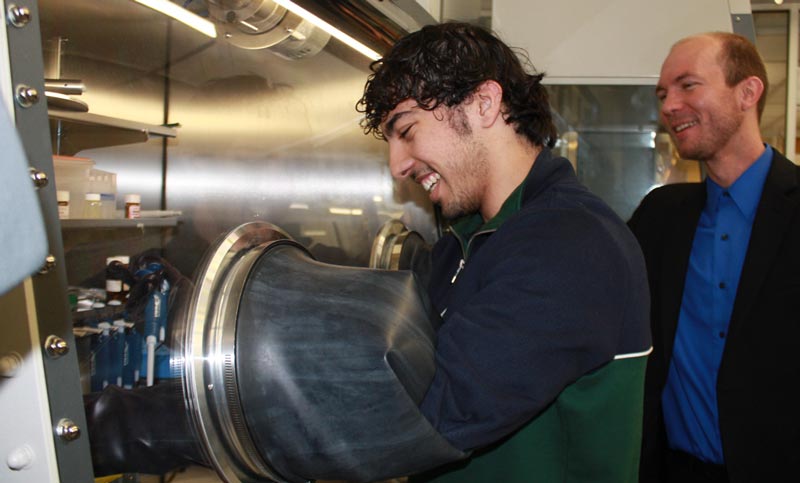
104,183
72,175
92,207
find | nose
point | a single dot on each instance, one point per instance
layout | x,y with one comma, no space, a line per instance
669,104
401,163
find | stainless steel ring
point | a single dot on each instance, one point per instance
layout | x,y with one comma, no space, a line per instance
209,369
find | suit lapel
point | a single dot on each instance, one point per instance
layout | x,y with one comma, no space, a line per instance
775,210
679,234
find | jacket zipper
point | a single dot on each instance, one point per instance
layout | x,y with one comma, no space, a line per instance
463,261
458,270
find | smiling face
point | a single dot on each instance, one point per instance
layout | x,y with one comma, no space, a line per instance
438,150
698,108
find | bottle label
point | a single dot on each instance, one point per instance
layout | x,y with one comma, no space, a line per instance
132,211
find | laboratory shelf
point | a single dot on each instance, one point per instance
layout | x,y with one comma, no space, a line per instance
86,223
73,132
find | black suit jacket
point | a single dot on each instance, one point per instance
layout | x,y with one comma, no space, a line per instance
759,378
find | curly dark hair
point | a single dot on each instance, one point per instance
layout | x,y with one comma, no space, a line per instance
444,64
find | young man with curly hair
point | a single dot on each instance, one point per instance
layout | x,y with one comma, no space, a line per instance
541,288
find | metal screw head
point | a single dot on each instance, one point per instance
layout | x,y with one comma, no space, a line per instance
55,346
49,264
26,95
68,430
18,16
39,178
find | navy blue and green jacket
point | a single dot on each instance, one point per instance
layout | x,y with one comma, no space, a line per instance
544,338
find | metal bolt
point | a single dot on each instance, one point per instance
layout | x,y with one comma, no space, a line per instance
39,178
49,264
67,430
26,95
18,16
55,346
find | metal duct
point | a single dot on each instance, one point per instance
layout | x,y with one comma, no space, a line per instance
377,23
260,24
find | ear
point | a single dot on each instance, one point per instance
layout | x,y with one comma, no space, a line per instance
750,91
489,100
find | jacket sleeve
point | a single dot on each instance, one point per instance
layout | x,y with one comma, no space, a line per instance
548,306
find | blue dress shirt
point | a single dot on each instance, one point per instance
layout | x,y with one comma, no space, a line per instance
715,264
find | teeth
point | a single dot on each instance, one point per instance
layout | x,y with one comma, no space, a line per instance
686,125
429,182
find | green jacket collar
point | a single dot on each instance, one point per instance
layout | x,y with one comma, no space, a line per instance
473,224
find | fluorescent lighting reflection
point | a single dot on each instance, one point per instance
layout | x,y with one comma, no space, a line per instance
182,15
350,41
345,211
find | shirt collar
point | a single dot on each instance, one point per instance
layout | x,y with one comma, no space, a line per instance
472,224
746,190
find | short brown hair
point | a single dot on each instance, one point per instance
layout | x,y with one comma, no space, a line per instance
740,60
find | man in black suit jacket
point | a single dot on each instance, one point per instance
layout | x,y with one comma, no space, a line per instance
721,394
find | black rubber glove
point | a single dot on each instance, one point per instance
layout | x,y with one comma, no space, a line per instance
142,430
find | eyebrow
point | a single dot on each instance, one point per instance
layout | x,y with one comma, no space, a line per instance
389,129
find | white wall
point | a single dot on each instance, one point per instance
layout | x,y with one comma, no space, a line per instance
606,41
